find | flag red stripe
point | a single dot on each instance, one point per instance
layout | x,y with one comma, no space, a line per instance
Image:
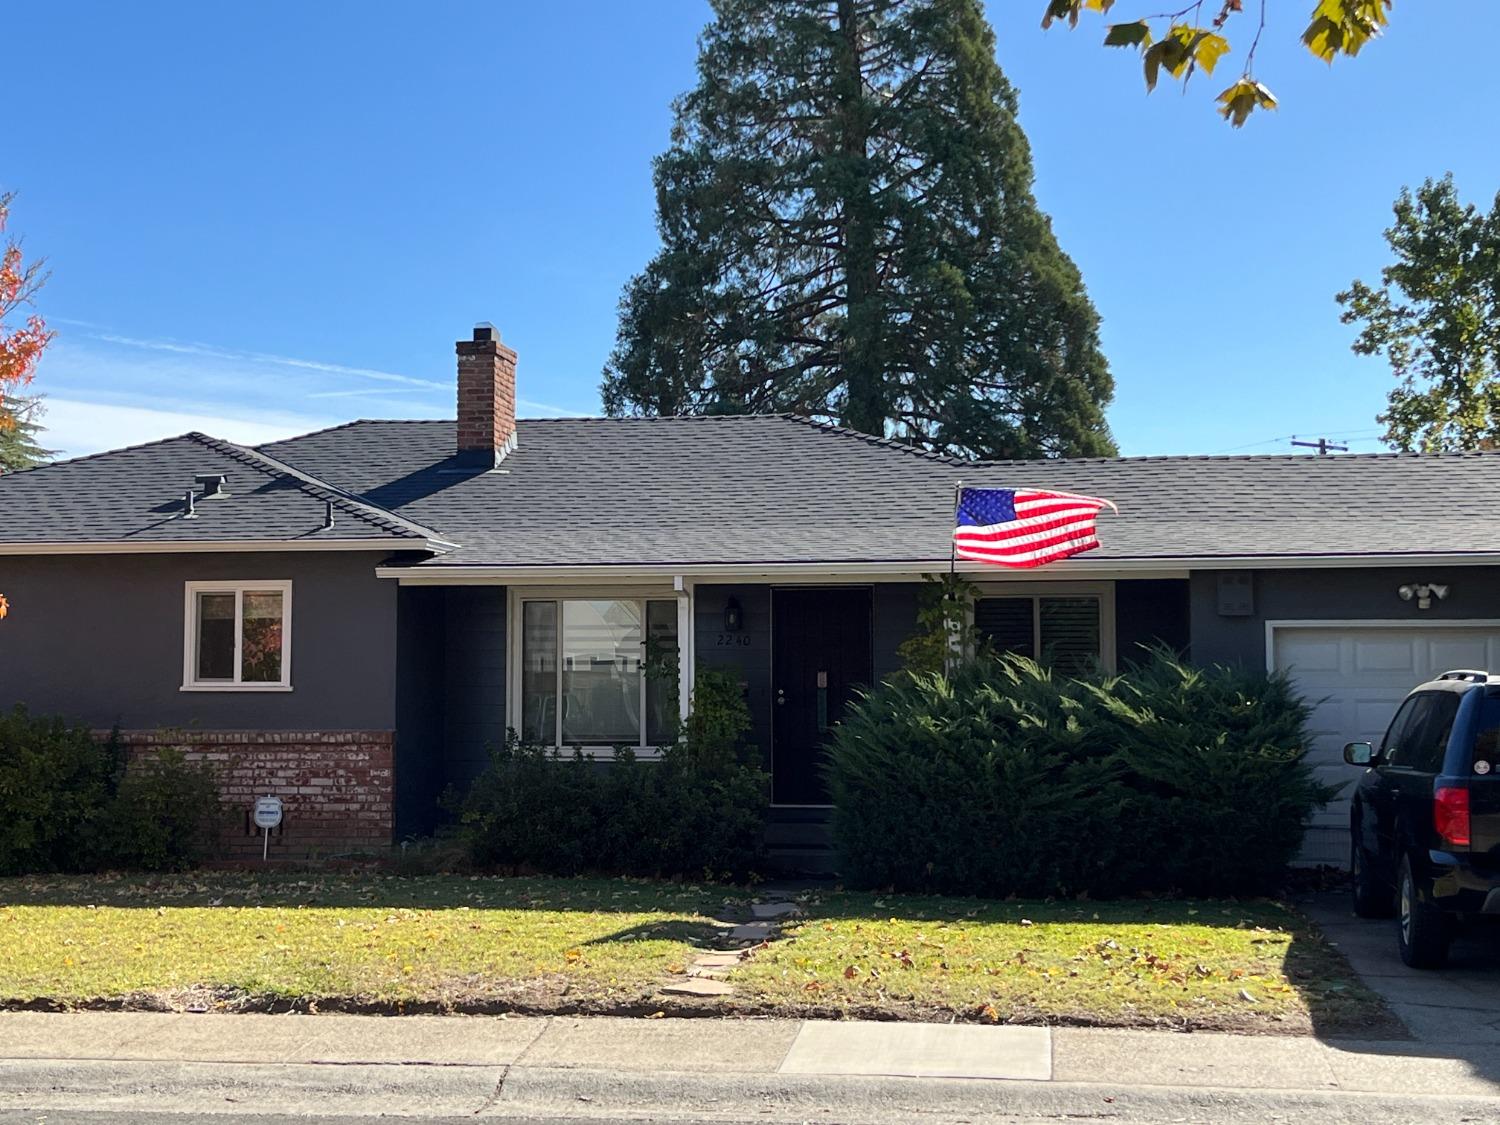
1042,560
1014,550
1020,528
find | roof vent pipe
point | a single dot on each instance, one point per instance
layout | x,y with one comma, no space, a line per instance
215,485
328,515
188,512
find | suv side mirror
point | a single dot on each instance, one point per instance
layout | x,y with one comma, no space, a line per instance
1359,753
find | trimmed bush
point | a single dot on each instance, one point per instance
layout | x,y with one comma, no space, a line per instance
1004,779
164,815
55,782
699,811
67,802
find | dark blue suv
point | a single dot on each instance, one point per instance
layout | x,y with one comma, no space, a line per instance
1425,821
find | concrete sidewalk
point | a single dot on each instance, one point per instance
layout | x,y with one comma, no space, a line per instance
711,1048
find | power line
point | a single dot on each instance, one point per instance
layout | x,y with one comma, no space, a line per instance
1322,445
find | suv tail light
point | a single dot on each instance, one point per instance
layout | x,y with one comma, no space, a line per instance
1450,815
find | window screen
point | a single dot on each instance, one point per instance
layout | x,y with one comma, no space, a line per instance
1070,634
1009,624
1061,633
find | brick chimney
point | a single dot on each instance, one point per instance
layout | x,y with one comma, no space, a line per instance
486,398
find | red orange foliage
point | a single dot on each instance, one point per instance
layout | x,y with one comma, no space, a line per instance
21,345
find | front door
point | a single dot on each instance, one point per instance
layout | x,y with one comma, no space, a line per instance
820,655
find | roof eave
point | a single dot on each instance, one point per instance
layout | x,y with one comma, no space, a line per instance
449,573
199,546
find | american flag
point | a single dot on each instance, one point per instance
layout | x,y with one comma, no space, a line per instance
1024,527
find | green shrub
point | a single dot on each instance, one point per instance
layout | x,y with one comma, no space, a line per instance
67,802
163,817
55,781
1216,763
697,811
1002,778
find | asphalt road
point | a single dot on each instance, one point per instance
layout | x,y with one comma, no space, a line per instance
154,1099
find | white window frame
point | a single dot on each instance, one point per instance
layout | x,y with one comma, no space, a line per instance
1104,591
680,593
190,681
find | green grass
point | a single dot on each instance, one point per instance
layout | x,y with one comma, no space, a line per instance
438,941
492,944
1211,964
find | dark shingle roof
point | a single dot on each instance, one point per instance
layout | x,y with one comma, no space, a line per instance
135,495
776,489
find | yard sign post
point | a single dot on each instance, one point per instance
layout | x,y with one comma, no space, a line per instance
267,816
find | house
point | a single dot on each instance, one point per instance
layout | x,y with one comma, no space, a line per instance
349,618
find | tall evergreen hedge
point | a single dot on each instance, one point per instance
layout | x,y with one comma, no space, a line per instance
1002,778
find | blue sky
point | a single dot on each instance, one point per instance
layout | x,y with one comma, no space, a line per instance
263,218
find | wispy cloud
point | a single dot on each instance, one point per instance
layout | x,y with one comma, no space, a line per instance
108,388
77,428
211,351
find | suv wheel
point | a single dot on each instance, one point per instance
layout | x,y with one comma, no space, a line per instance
1372,897
1422,931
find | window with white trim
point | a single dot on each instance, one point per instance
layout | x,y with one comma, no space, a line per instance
238,636
1059,632
598,672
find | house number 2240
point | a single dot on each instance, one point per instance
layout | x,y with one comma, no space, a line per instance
733,640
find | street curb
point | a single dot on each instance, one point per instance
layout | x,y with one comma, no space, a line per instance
499,1092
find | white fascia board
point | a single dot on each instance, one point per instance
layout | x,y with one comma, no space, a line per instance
166,547
709,572
906,571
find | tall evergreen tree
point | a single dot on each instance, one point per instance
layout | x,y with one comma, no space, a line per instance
849,232
20,423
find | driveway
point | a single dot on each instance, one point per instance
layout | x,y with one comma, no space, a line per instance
1456,1005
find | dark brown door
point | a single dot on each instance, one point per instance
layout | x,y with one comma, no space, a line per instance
819,656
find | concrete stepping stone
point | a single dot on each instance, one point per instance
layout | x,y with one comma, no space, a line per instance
767,910
697,986
710,972
753,931
725,960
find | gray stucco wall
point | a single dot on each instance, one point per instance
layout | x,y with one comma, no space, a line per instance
1335,595
451,701
1150,612
474,697
747,653
420,670
99,639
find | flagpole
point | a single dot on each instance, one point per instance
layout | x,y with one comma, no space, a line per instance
958,498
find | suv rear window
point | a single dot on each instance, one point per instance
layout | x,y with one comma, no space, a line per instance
1487,740
1427,745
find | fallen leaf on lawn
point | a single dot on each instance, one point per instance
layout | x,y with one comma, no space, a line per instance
850,972
1247,998
573,955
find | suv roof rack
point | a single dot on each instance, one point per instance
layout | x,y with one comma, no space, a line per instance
1466,674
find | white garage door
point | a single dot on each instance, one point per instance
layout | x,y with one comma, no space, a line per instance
1355,677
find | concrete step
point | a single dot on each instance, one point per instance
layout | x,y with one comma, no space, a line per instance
798,835
803,861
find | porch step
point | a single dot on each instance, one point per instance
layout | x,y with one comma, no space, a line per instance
794,861
798,834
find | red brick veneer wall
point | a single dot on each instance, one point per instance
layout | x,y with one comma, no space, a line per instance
336,787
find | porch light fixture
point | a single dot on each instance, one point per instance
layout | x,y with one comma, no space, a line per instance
734,616
1423,592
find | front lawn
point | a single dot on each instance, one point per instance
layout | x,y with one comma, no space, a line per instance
388,943
1253,965
449,942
